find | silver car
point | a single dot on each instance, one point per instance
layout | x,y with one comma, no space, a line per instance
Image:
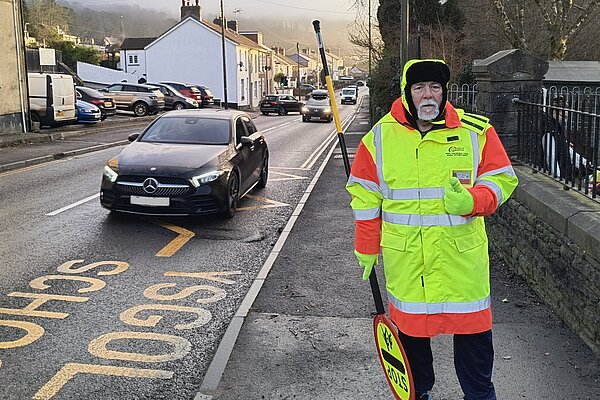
139,98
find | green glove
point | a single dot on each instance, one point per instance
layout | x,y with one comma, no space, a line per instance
457,199
367,261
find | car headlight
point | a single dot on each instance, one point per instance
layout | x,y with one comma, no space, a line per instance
305,109
191,101
327,110
110,174
205,178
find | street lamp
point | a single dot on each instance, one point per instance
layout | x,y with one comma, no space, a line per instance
224,61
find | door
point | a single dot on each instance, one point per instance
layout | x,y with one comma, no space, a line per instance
244,157
116,93
256,151
169,98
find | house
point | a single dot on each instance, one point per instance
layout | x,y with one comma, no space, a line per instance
191,52
285,66
336,65
14,102
308,67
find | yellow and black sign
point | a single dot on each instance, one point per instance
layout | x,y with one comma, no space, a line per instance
393,359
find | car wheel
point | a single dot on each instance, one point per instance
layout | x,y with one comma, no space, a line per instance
233,195
265,113
35,119
178,106
304,119
282,111
330,119
264,172
140,109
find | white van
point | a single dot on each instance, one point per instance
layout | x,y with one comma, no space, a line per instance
52,98
349,95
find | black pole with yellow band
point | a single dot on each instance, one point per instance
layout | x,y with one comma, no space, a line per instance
338,126
389,348
332,102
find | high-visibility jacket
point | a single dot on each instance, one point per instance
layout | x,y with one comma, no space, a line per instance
436,265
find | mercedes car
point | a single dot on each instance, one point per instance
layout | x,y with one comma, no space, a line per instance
188,162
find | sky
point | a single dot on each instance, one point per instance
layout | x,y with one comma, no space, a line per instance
323,9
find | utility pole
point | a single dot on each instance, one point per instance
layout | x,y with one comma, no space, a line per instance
298,59
224,60
404,33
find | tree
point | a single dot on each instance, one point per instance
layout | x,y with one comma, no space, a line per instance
45,16
71,53
562,20
279,78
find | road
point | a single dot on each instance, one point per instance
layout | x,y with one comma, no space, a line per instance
98,305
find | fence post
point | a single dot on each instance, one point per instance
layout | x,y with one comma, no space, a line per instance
500,78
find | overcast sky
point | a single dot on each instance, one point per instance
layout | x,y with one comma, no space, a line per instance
323,9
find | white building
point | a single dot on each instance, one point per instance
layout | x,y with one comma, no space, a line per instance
191,52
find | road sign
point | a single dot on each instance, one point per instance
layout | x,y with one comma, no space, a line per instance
393,359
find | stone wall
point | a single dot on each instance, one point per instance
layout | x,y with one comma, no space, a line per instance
551,237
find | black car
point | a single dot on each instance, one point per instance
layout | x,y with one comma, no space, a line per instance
174,100
280,104
187,162
207,96
105,103
317,107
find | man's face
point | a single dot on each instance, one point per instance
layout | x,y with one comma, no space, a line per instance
427,98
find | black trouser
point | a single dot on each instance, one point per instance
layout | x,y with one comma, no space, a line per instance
473,361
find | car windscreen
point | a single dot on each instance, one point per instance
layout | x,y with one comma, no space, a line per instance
190,130
348,92
208,92
318,101
271,98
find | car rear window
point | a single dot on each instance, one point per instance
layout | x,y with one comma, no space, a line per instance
189,130
271,98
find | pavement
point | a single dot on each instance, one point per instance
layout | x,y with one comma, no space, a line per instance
304,330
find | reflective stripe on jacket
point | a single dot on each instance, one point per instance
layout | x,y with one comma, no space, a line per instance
436,264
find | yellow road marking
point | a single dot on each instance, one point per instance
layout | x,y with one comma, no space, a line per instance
270,203
99,347
178,242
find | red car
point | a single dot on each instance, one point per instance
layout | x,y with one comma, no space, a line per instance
187,90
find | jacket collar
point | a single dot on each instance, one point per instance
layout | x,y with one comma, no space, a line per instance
451,118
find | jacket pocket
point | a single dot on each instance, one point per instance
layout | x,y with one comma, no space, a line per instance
393,241
469,241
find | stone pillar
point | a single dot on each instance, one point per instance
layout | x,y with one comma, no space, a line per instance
500,78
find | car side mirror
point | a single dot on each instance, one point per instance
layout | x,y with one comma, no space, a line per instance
246,141
132,137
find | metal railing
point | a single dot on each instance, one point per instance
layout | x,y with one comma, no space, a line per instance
463,96
560,141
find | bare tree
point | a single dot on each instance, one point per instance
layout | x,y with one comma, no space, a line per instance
359,30
562,20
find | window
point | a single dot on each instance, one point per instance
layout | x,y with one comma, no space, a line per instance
249,125
242,91
133,59
240,131
255,89
115,88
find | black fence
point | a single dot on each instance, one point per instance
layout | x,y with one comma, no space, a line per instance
556,139
463,96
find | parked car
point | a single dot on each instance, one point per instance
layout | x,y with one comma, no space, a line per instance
307,87
349,95
51,98
87,113
186,89
280,104
174,100
208,99
317,107
142,99
106,104
187,162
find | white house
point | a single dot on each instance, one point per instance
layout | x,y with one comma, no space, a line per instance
191,52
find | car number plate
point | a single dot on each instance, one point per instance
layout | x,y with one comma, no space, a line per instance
60,113
150,201
108,104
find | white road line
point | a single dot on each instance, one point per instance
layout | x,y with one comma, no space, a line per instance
317,153
80,202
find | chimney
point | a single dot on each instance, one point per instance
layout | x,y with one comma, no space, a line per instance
217,21
188,9
232,24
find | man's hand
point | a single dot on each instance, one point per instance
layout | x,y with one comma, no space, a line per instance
367,261
457,199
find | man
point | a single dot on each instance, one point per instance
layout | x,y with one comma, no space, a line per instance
422,180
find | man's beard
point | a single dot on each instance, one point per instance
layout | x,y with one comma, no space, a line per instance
428,116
